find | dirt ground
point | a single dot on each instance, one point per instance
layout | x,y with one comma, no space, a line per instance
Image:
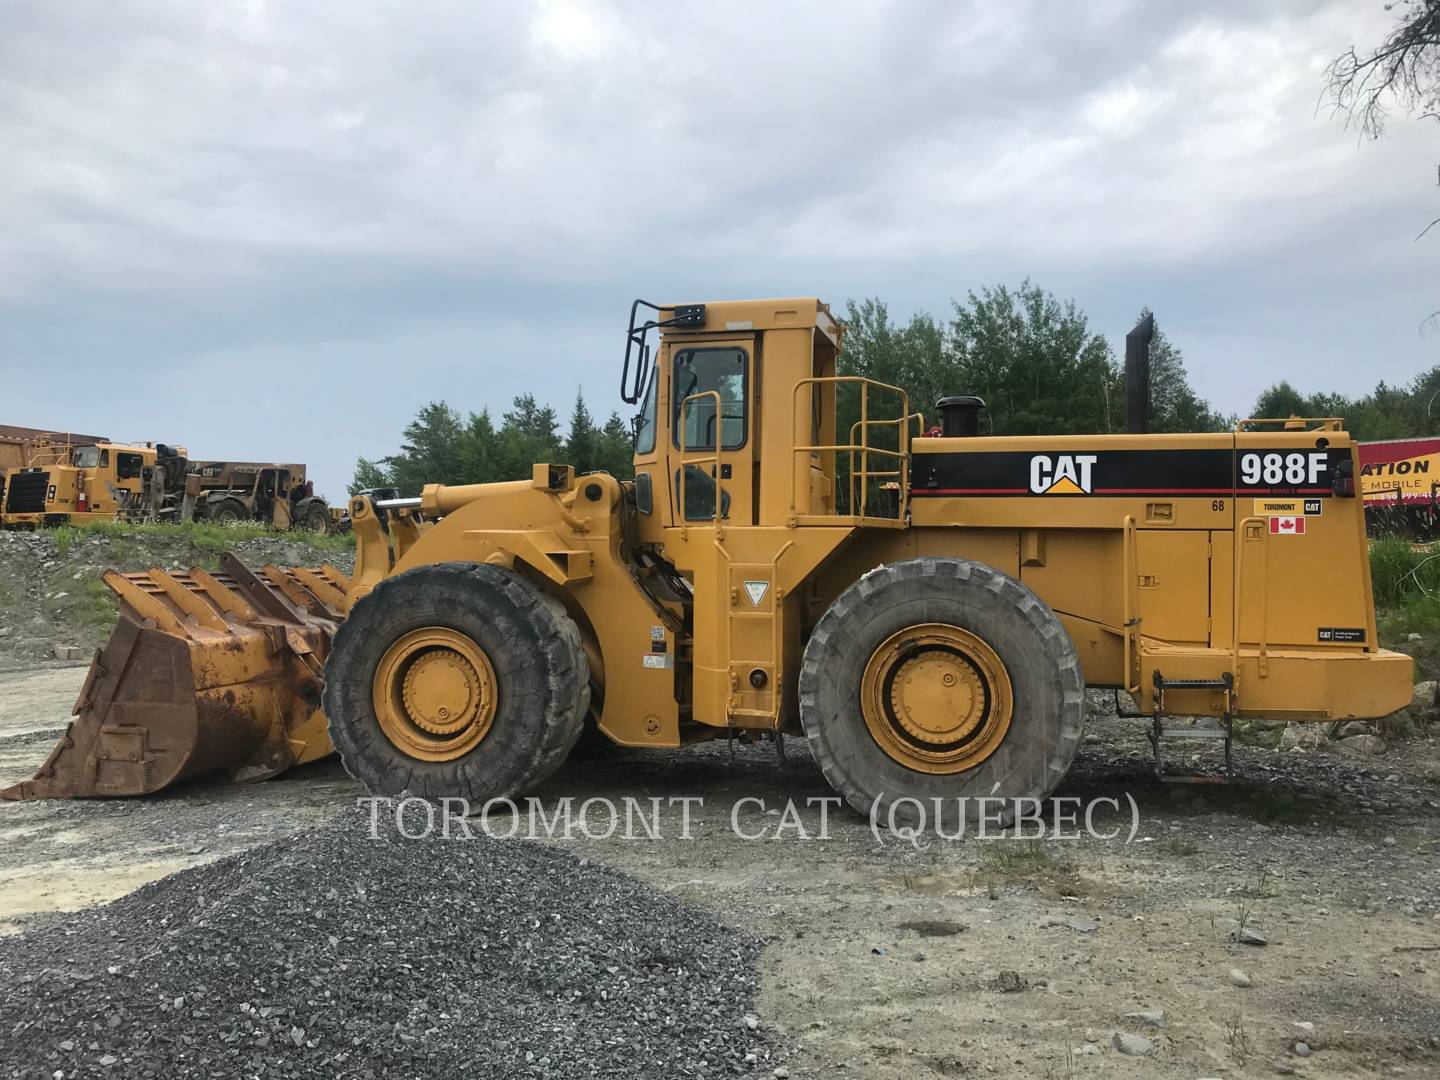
886,960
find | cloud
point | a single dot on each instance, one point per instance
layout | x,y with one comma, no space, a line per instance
275,229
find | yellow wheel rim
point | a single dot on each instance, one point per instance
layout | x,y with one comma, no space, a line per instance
435,694
936,698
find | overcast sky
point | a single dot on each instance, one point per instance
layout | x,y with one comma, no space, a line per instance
274,230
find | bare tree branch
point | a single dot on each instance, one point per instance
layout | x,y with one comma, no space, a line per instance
1404,70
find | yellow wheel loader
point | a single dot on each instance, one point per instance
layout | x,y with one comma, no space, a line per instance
793,557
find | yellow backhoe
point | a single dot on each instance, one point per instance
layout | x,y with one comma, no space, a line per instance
793,556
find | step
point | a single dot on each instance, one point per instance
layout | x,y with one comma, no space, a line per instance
1193,733
1191,684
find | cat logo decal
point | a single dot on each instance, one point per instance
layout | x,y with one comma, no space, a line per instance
1063,474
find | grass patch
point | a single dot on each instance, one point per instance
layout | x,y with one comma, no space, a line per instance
1406,583
97,607
204,536
1177,845
1012,856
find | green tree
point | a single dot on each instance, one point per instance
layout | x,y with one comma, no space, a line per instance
368,474
1174,406
430,452
529,433
581,445
478,449
1035,361
614,451
911,356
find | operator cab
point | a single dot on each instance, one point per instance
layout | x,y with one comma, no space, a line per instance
731,384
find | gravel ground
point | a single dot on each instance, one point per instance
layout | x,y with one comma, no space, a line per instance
888,962
331,954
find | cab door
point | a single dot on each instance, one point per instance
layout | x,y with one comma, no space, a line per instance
712,448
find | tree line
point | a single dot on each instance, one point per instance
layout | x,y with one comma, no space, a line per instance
1035,359
440,446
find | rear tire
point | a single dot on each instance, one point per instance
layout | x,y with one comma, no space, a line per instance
1032,669
226,512
533,669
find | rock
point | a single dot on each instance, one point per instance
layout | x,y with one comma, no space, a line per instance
1423,703
1153,1017
1132,1045
1239,978
1088,1049
780,1073
752,1021
1302,1049
1083,924
1248,935
1010,982
66,652
1354,727
1302,736
1412,637
1363,745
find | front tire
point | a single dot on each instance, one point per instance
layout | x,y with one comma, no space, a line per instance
941,679
456,680
311,515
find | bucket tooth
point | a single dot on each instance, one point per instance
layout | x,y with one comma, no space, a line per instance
224,598
332,597
257,590
204,672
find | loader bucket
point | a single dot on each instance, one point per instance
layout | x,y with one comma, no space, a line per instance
203,672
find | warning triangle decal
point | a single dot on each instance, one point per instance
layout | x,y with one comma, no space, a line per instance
756,590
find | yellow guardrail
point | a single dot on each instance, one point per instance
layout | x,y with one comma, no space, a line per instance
862,450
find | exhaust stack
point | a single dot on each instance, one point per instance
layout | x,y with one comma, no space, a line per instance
1137,376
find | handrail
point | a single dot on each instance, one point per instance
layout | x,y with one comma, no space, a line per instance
712,459
1327,423
1261,526
869,473
863,448
1130,618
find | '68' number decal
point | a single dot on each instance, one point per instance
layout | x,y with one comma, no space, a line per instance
1283,470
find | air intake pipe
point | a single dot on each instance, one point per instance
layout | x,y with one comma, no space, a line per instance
960,415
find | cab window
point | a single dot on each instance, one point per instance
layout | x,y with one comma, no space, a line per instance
645,422
87,457
127,466
698,371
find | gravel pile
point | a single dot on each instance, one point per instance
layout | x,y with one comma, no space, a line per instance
331,954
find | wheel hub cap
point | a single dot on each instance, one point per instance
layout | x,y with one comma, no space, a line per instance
435,694
936,698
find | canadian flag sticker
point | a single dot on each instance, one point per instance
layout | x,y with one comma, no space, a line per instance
1287,526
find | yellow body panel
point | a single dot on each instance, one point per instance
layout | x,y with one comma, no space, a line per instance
85,494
